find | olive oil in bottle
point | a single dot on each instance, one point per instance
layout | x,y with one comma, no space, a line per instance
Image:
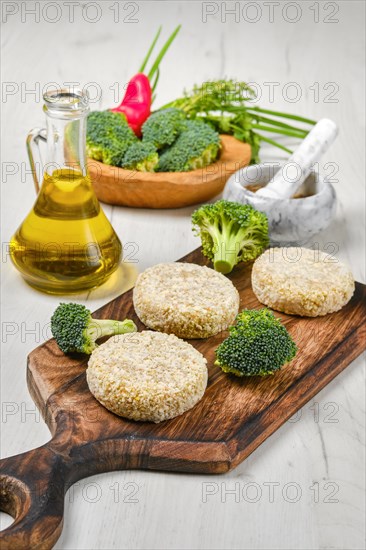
66,244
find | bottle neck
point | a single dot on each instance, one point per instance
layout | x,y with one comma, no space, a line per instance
66,140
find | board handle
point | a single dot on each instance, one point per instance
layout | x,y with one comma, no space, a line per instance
32,489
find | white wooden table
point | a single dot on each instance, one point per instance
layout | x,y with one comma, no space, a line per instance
303,488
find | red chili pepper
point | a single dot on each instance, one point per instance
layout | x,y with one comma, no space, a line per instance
136,104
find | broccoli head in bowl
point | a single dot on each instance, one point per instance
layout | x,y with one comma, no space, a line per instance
170,142
196,147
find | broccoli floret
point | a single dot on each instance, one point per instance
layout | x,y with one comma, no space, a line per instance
76,331
163,127
108,137
196,147
258,345
230,233
141,156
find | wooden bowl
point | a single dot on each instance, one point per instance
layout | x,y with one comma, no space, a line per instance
114,185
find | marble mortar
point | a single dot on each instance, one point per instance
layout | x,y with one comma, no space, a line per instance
291,221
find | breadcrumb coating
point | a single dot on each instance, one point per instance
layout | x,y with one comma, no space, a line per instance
301,281
185,299
147,375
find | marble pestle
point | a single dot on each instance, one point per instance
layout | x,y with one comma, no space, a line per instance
289,178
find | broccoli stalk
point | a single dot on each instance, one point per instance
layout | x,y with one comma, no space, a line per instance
230,233
75,330
258,345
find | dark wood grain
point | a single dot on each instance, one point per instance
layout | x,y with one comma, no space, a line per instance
232,419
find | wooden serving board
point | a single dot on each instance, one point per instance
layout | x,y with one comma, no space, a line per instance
233,418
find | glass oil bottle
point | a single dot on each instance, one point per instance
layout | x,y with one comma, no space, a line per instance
65,244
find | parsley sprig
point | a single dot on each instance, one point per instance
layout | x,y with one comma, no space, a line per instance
228,106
